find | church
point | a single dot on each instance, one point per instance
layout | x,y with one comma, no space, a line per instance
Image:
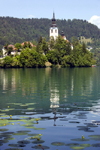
53,32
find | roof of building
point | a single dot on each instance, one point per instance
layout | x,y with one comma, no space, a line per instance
53,21
27,43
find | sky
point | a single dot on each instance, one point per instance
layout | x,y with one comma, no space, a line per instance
64,9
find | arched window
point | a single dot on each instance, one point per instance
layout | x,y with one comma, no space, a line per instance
51,30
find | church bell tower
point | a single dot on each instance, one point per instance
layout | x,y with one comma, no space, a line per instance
53,28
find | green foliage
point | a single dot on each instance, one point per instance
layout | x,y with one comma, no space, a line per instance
31,58
18,46
1,53
7,62
52,57
14,30
42,46
61,54
9,50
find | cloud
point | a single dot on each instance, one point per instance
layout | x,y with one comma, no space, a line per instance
30,16
95,20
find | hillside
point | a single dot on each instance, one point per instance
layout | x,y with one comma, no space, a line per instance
13,30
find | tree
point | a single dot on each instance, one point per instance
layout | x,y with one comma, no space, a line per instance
39,46
29,45
25,45
51,42
44,46
7,61
9,50
18,46
84,48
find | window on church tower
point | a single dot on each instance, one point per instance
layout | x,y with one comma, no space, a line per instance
51,30
55,31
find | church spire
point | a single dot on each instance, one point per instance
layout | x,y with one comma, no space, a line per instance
53,15
53,21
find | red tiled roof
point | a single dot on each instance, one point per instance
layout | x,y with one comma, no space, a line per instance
14,48
27,43
11,46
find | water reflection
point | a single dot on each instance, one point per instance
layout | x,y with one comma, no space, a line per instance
54,98
54,86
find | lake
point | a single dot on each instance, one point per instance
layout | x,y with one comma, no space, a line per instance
50,108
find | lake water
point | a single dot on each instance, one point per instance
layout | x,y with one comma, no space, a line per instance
56,109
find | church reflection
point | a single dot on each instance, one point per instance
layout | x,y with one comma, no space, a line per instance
54,98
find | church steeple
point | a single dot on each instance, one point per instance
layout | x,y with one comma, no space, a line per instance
53,21
53,28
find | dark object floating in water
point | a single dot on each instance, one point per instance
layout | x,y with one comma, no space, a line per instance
7,133
23,142
74,122
71,144
4,141
57,143
85,128
64,119
16,145
45,118
38,141
23,131
40,147
13,149
91,125
80,139
96,145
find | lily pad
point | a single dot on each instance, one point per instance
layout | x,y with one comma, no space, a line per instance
40,147
80,139
23,142
38,141
16,145
2,114
32,137
11,138
17,103
30,127
85,128
33,134
2,130
39,128
96,145
57,143
77,148
85,145
95,137
30,108
20,133
71,144
13,149
4,141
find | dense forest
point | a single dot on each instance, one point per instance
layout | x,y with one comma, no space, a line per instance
57,53
13,30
